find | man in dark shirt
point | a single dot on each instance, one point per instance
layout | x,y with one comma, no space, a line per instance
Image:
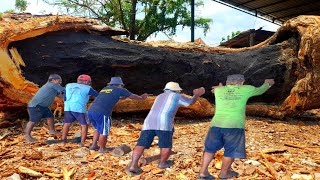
99,113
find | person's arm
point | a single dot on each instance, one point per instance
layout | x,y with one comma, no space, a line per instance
215,87
265,86
62,94
60,90
196,94
137,97
93,92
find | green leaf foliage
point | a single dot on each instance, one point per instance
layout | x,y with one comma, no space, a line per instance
140,18
21,5
233,34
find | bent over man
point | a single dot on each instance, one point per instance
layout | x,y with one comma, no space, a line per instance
100,111
38,107
227,125
75,105
159,122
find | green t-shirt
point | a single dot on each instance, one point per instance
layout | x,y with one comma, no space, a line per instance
231,103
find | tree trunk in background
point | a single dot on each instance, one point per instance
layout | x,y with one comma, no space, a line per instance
132,30
148,69
71,47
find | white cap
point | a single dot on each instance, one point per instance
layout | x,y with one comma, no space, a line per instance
172,86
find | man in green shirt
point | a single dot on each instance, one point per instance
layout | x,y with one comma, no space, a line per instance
227,125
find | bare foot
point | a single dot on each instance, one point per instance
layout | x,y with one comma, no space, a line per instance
54,132
30,139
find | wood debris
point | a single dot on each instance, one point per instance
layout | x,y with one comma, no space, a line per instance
268,154
54,175
30,172
67,173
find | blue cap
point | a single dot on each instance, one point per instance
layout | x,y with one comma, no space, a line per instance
116,81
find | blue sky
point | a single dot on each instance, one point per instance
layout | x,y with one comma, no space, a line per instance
225,20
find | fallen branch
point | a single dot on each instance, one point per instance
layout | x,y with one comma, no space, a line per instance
5,135
269,167
30,172
4,162
269,151
301,147
4,152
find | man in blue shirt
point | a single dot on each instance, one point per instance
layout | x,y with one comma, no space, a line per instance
100,111
38,107
75,105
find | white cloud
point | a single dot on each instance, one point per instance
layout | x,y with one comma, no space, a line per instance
40,7
6,5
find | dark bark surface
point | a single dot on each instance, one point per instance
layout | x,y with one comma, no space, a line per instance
148,69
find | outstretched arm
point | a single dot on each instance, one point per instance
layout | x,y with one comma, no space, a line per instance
137,97
197,93
265,86
215,87
269,81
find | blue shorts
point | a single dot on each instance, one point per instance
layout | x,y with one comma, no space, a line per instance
232,139
100,122
70,116
147,136
39,112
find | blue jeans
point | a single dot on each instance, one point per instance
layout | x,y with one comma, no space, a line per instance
147,136
231,139
39,112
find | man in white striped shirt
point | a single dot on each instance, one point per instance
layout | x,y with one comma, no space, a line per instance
159,122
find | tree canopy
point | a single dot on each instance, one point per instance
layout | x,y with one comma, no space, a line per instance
141,18
21,5
233,34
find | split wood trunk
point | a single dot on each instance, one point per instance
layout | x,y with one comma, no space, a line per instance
72,46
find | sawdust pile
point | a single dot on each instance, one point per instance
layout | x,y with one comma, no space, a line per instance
275,150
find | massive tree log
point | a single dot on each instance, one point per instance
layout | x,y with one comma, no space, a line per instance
33,47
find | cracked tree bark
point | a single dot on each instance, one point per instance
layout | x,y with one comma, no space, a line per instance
70,46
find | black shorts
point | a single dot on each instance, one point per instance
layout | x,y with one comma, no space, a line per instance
39,112
147,136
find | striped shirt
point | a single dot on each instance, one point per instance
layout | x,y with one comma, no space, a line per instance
163,111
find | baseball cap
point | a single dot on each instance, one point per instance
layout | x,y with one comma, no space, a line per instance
84,77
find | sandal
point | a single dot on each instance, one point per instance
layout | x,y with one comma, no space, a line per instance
230,174
209,177
167,165
133,173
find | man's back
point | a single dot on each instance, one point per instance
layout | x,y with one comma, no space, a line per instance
107,98
231,103
45,95
164,110
76,97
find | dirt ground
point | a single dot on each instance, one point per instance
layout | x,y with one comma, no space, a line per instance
275,150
